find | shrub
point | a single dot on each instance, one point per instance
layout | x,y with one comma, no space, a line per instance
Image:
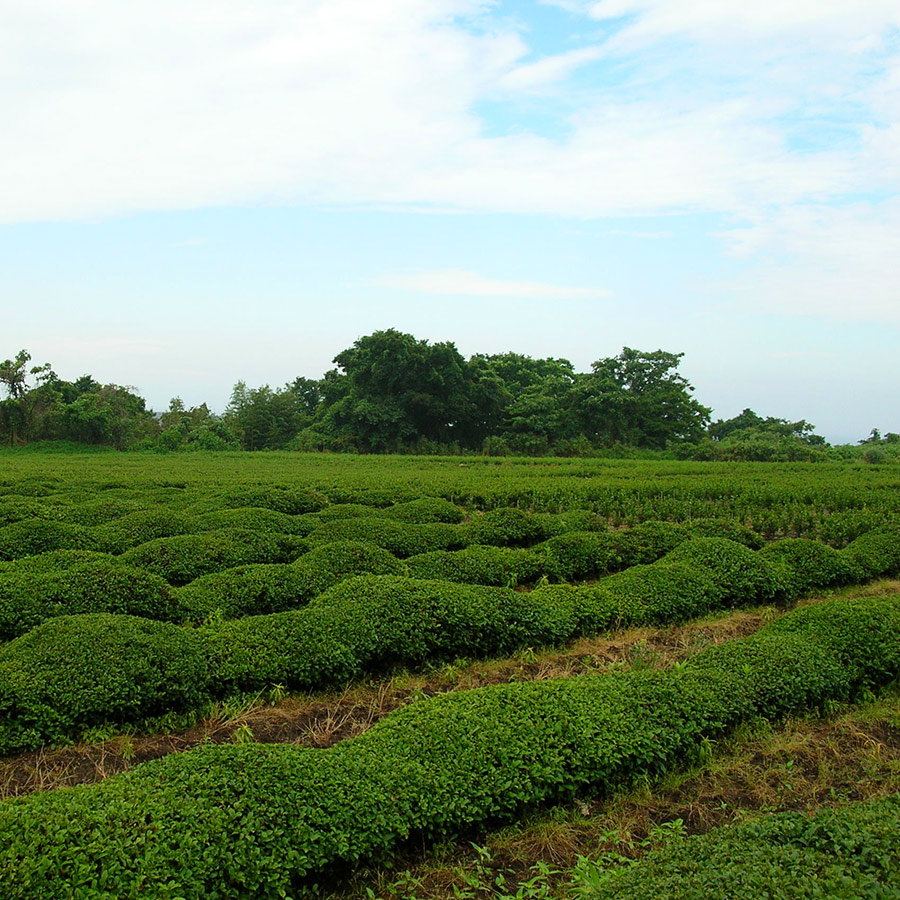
504,527
809,564
647,542
98,512
183,558
428,509
255,519
725,528
29,537
738,575
54,561
875,554
77,670
580,554
138,528
398,538
787,855
497,566
248,590
28,598
282,499
553,524
664,592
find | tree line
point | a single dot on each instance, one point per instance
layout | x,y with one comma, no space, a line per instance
391,392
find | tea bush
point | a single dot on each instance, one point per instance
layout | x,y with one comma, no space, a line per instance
737,573
138,528
255,519
262,820
29,537
788,855
117,668
281,499
577,555
425,510
398,538
28,598
809,564
497,566
505,528
183,558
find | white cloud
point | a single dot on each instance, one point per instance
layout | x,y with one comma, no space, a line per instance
743,21
460,283
550,69
110,108
824,262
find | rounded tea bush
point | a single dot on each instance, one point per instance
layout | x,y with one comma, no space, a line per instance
498,566
29,537
78,670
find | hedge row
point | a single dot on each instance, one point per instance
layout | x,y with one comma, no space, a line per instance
264,821
368,623
850,852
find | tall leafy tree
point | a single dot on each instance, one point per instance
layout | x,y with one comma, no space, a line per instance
639,399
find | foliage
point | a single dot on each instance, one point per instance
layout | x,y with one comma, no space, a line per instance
218,822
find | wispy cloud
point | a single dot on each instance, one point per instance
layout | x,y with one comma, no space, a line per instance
460,283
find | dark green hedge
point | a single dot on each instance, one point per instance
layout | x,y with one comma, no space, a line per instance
399,538
28,598
810,564
183,558
255,519
372,623
493,566
259,821
505,527
95,668
29,537
851,852
738,574
140,527
875,554
282,499
577,555
428,509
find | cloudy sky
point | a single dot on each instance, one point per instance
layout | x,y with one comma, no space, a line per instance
196,193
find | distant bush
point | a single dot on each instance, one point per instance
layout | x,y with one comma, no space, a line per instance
260,589
183,558
497,566
428,509
137,528
255,519
552,524
281,499
399,538
504,528
29,537
724,528
28,598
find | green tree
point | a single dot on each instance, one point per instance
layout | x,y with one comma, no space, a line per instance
638,399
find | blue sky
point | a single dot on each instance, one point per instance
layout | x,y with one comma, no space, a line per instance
192,194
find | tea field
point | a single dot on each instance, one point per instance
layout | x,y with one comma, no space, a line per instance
140,591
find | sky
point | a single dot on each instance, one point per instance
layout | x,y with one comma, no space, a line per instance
193,194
